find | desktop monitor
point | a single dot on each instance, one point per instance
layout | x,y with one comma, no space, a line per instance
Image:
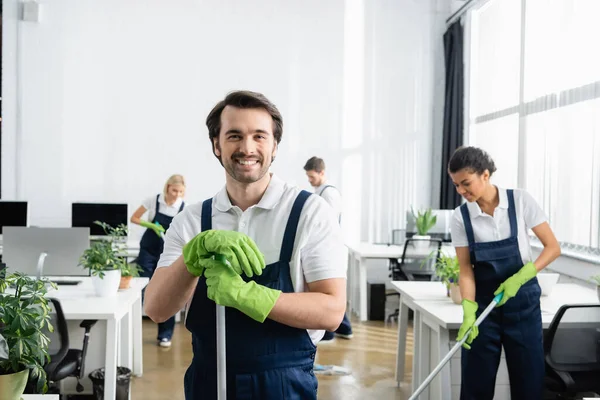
84,215
13,213
64,246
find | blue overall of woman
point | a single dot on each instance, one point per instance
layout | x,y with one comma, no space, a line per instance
151,247
265,361
516,326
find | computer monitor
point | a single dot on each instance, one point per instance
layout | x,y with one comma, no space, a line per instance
13,213
84,215
64,246
440,230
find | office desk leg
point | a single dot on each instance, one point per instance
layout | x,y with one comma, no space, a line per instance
110,377
126,341
401,351
136,316
422,369
362,288
417,353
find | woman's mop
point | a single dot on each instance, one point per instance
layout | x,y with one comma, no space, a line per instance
454,349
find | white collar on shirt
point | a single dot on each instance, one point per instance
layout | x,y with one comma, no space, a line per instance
161,200
475,210
319,188
268,201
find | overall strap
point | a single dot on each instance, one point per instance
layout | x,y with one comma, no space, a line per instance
181,207
206,219
464,210
156,210
292,225
512,213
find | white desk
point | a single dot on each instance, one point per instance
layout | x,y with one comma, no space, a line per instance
121,313
439,317
409,293
39,397
357,269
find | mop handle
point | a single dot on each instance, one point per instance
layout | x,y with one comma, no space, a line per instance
221,349
454,349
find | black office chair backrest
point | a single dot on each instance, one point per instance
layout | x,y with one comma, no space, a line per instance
572,342
422,249
59,338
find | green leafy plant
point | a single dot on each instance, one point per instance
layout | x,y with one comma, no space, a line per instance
24,317
596,279
104,254
128,269
448,269
424,221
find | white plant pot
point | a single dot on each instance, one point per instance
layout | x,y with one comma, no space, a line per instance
109,285
421,242
455,294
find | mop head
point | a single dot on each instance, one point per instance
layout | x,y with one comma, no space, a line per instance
331,370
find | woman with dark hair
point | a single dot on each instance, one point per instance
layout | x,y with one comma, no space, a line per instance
490,235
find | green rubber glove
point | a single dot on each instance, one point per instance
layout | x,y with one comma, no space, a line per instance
240,250
469,317
511,286
228,289
157,228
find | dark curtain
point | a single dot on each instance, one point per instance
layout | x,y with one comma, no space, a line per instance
453,110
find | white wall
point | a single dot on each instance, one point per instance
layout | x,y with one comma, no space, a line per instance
103,100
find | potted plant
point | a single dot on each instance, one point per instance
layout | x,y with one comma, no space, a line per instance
104,260
596,280
24,317
128,272
424,221
447,268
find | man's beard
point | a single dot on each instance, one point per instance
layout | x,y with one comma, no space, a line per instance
241,176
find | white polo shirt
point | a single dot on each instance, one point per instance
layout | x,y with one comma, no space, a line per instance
489,229
319,252
170,211
332,196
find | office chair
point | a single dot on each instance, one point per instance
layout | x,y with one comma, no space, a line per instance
400,270
64,362
572,350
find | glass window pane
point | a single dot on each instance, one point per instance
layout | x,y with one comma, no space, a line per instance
495,57
500,138
567,136
560,42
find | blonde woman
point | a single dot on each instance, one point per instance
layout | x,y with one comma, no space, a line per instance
161,209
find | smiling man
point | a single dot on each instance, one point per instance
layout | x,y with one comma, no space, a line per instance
286,283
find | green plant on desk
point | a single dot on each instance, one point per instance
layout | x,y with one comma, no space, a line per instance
129,269
424,221
448,269
596,280
105,254
24,317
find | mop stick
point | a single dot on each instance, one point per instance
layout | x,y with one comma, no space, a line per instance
221,349
454,349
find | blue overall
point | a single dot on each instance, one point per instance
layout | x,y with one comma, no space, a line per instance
265,361
516,326
345,327
151,247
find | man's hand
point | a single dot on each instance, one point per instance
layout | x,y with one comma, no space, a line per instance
227,288
239,249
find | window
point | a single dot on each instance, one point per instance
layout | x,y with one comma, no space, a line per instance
535,96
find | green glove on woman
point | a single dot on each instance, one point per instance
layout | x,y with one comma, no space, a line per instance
239,249
157,228
469,317
511,286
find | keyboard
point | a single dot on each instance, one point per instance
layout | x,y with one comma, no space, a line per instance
61,282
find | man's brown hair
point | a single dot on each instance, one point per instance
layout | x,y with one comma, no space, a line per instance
315,164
